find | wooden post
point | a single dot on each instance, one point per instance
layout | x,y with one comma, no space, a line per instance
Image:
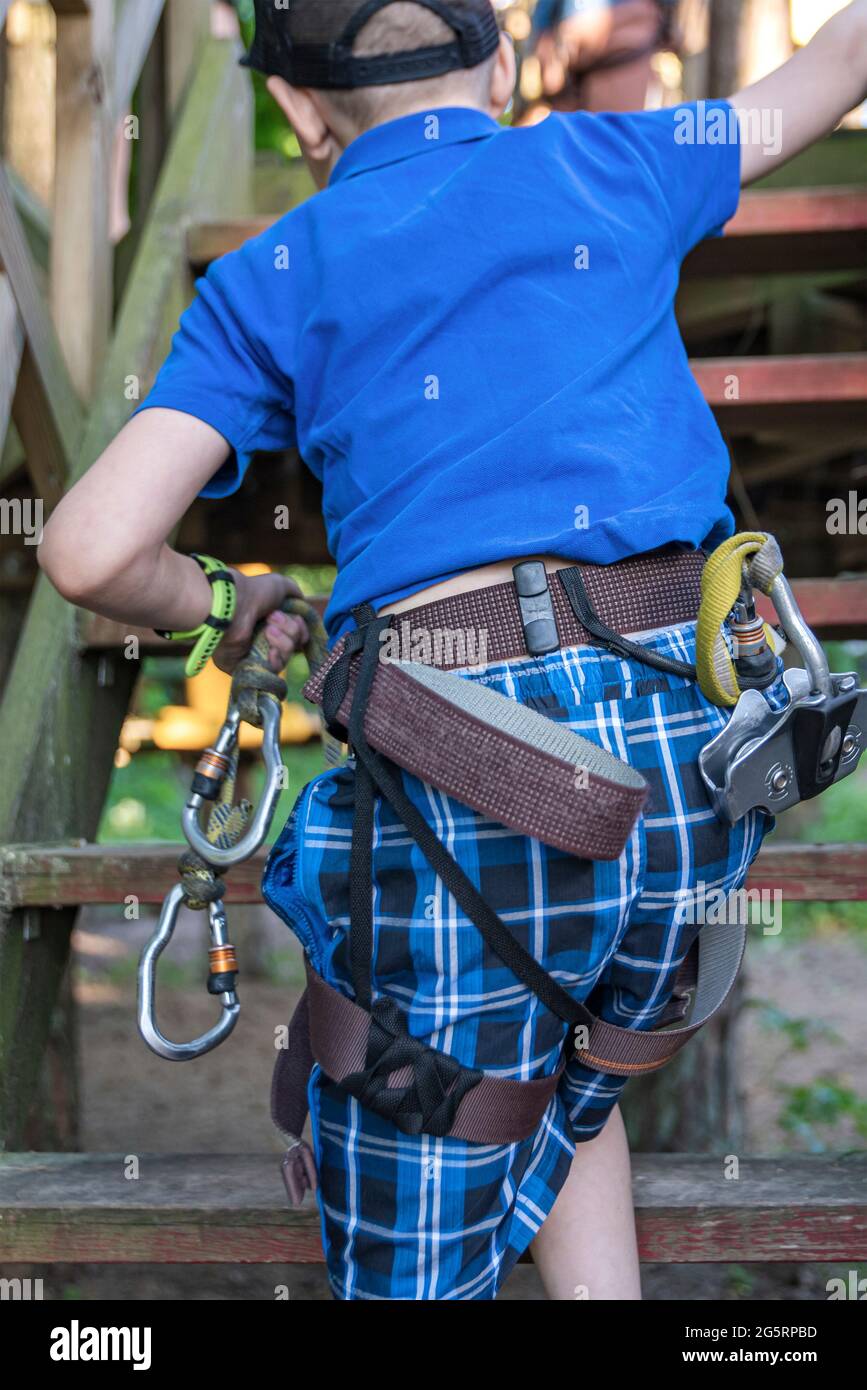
81,256
748,38
187,25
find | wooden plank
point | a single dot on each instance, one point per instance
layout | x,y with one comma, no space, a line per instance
838,604
70,7
207,241
81,251
837,378
11,349
47,411
232,1209
782,231
61,713
136,25
35,221
76,875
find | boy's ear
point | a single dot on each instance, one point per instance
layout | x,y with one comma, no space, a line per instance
504,76
307,118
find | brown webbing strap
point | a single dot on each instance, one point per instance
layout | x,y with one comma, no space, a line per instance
625,1052
496,1111
644,592
332,1030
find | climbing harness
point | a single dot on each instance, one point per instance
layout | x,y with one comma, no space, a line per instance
232,833
510,763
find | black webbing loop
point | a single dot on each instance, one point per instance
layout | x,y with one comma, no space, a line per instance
573,583
426,1105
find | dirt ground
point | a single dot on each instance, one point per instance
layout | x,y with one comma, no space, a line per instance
134,1102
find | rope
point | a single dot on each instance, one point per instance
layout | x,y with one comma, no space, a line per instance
227,821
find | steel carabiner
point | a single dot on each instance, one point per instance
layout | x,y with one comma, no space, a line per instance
210,775
221,981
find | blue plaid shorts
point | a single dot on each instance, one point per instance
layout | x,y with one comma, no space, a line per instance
419,1217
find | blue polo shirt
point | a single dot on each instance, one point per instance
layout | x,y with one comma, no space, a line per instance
470,337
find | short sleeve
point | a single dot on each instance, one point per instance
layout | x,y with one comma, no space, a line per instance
221,369
692,155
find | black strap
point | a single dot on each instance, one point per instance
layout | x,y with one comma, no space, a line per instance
573,583
376,773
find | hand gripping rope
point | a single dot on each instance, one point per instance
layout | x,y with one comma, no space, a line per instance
232,833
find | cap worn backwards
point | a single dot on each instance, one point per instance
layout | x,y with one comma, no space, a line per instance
311,45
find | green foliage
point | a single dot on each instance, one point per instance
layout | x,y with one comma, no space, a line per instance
798,1032
818,1105
740,1281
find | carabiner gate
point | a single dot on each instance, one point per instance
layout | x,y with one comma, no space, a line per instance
221,981
206,788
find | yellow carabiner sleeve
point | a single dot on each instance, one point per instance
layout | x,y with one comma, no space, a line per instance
721,582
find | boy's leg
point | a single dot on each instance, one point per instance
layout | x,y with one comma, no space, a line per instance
587,1247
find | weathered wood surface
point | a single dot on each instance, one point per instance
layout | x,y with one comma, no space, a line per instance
81,251
832,379
136,25
231,1209
785,231
46,409
11,348
62,711
828,604
773,232
76,875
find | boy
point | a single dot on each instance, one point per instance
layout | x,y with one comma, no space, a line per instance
470,335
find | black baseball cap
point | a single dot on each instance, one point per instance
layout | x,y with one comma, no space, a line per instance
310,44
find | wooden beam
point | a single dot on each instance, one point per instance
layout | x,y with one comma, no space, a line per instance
232,1209
35,220
751,393
81,252
61,712
85,874
188,23
136,25
70,7
785,230
47,411
11,349
830,603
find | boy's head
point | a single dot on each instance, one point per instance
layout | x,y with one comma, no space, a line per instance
339,67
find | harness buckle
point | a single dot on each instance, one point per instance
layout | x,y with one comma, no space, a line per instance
537,609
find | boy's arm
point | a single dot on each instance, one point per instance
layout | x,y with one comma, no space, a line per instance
105,548
812,92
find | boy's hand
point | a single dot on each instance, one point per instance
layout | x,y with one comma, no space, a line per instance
261,597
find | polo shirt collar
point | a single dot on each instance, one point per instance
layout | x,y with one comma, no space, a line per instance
412,135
